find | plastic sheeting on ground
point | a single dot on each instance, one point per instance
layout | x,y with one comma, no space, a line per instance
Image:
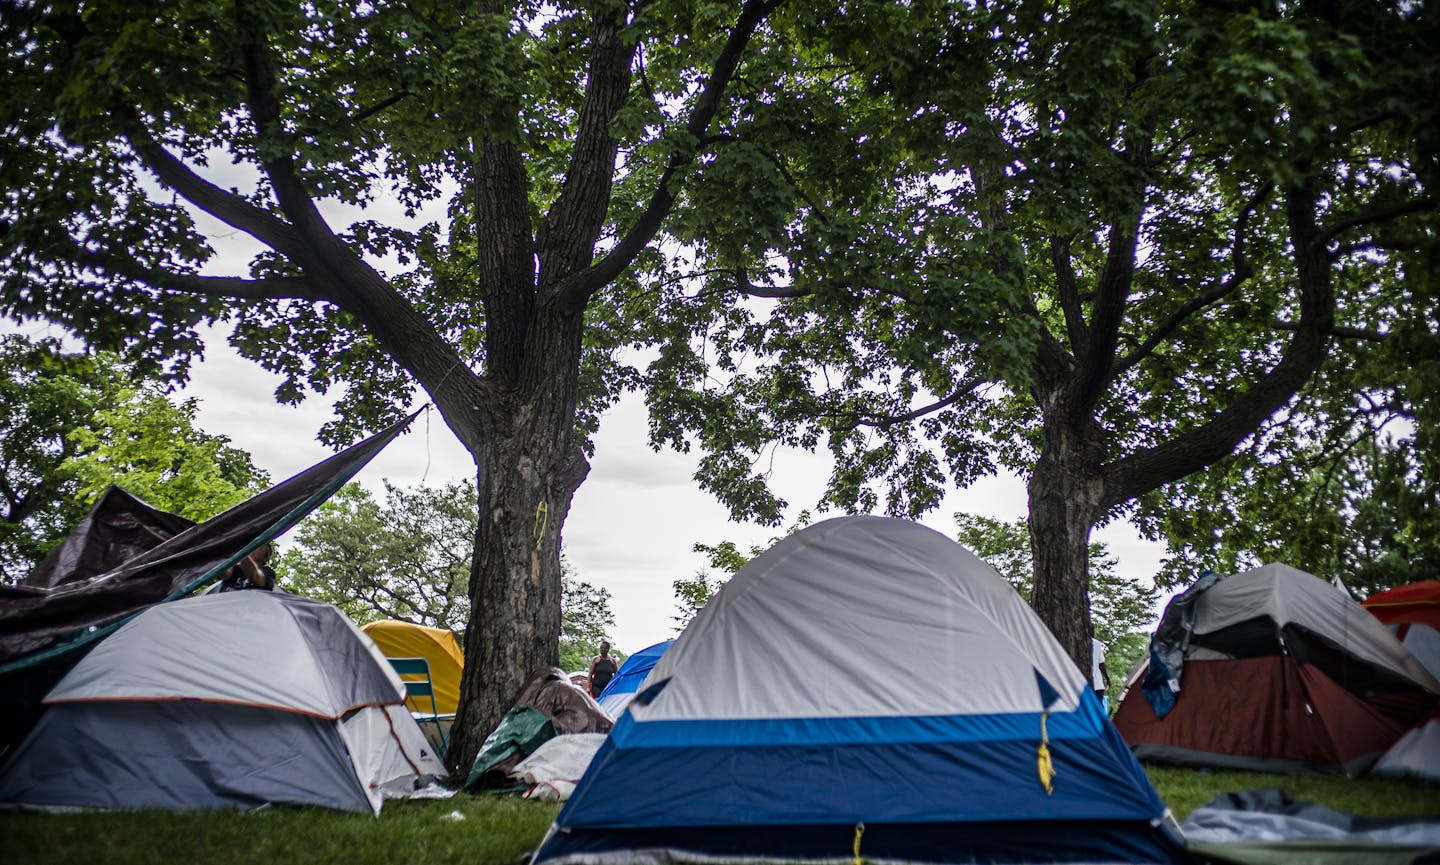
556,766
1264,826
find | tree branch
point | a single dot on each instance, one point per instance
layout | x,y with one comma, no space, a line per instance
290,193
1239,272
577,290
228,207
1340,331
746,287
1192,451
1096,356
966,387
1419,205
1067,288
367,113
566,240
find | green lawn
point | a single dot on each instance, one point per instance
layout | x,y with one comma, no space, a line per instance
469,830
1184,790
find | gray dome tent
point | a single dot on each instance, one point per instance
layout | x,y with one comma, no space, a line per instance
230,700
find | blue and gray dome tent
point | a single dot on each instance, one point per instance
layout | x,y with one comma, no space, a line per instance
866,688
627,680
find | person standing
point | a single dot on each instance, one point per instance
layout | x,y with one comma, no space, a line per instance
1099,676
602,670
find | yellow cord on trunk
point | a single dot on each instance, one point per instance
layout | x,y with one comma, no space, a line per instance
542,516
1045,766
859,830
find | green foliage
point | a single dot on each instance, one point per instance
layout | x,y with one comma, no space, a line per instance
73,424
930,278
1364,510
406,559
691,596
1117,235
585,620
1120,608
151,447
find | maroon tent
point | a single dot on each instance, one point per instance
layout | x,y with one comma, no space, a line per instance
1281,672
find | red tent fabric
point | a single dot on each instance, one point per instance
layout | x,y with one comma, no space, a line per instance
1281,672
1414,603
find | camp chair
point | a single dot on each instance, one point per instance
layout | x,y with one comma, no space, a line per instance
415,672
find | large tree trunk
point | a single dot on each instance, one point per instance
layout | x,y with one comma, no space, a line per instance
1063,493
528,469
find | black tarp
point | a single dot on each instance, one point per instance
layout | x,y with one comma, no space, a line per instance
127,555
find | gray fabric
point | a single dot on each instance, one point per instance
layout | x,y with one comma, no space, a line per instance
258,648
1417,753
922,591
1177,623
1273,815
1289,596
180,756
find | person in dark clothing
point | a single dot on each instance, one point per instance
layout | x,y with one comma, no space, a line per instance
252,572
602,670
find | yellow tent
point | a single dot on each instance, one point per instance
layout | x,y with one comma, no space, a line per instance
404,640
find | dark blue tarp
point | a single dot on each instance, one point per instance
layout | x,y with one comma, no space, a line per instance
1168,645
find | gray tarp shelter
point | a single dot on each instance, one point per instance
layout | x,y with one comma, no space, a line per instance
126,556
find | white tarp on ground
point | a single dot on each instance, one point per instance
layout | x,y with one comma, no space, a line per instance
1273,815
556,766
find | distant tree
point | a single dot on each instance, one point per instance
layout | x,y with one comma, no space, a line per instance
408,558
405,559
693,593
1123,610
726,557
1120,606
72,424
585,620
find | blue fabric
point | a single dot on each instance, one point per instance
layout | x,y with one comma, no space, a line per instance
765,732
1169,642
636,667
1156,686
755,777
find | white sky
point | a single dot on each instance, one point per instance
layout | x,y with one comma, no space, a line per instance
634,520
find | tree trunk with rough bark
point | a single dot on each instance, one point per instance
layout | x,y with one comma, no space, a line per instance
1063,493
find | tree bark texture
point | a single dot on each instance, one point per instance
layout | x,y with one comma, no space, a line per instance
1064,491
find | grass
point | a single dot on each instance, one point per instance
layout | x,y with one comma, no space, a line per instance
1184,790
488,831
501,831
